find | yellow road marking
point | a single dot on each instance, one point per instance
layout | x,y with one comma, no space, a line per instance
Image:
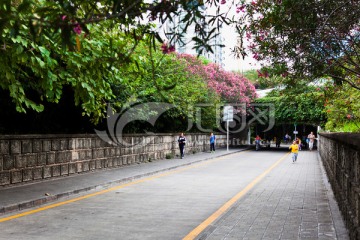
113,188
194,233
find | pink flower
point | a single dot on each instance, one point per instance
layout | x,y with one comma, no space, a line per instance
171,48
248,35
228,85
63,17
167,49
77,29
223,1
240,9
164,48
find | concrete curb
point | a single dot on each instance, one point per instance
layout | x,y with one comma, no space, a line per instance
41,201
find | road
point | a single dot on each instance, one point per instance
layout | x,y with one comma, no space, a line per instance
169,205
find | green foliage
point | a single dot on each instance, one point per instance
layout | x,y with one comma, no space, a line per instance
330,105
342,109
297,107
47,45
261,80
106,66
66,19
43,67
252,75
303,39
100,53
158,77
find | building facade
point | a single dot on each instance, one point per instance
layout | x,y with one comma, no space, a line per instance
180,34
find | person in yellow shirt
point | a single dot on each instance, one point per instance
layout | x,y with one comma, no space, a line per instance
294,150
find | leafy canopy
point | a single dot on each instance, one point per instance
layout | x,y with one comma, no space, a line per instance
87,45
34,71
302,106
342,107
68,18
302,39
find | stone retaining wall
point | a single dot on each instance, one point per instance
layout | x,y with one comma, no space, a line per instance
341,158
27,158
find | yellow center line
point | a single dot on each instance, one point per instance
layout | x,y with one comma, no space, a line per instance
195,232
113,189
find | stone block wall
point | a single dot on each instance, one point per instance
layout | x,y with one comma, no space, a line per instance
26,158
340,154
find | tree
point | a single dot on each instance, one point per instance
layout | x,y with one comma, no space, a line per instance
35,72
232,87
252,75
262,80
185,81
63,19
49,45
303,39
342,107
298,105
165,78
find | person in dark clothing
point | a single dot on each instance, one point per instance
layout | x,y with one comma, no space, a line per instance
212,142
182,142
278,141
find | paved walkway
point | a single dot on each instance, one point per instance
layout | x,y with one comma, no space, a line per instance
294,201
34,194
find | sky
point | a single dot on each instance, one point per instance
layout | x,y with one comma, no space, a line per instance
231,62
230,39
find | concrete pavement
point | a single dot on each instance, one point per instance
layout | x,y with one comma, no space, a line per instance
24,196
294,201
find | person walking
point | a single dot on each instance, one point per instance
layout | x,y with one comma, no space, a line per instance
257,142
294,150
311,138
212,142
182,142
278,141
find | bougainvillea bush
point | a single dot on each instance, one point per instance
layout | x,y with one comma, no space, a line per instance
231,87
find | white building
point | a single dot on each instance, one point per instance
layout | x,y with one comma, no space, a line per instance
184,42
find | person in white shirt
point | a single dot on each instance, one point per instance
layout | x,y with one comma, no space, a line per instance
311,138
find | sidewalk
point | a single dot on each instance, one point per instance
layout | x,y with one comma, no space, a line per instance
20,197
294,201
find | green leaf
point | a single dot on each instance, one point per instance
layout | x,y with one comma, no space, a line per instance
44,51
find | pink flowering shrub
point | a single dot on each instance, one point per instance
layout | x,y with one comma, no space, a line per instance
232,87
